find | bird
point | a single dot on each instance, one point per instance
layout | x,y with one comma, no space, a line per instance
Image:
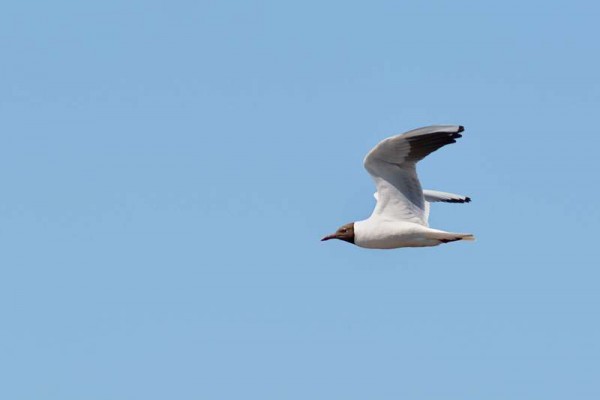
400,218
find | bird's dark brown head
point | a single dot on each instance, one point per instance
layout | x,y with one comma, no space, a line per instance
345,233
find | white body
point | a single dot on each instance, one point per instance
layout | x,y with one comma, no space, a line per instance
374,233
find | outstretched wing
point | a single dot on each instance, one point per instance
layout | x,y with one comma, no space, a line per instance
392,165
433,196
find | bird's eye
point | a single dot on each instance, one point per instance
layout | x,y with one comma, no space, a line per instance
342,230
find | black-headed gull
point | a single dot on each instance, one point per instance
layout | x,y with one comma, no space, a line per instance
400,218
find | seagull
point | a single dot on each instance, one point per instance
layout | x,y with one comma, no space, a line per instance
400,218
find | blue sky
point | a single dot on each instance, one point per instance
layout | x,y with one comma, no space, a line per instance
168,169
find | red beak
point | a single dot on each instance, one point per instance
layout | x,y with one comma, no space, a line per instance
328,237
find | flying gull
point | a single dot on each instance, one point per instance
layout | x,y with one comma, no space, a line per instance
400,218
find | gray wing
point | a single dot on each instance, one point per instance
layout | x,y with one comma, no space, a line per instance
433,195
392,165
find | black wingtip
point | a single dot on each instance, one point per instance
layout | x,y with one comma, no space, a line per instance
457,134
465,200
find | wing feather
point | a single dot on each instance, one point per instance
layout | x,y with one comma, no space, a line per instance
392,165
434,195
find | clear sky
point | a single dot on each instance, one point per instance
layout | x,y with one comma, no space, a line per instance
168,168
